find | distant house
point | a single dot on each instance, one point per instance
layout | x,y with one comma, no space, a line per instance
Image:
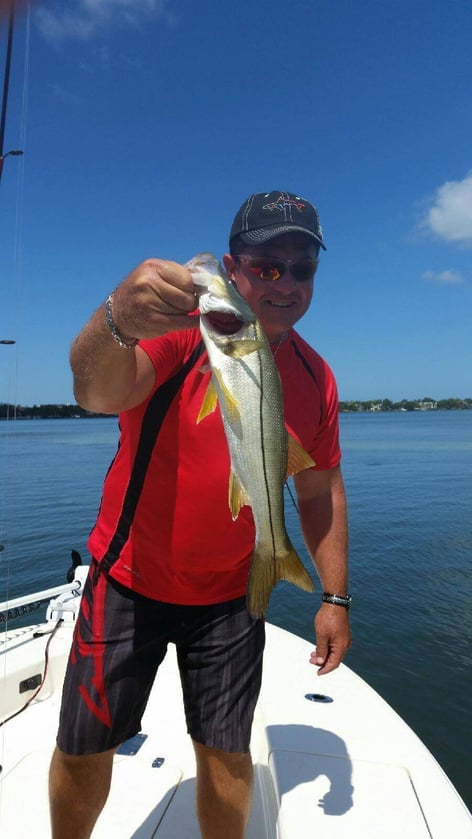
376,407
426,406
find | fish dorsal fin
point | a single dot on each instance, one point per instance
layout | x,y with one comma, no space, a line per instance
241,347
297,458
237,495
210,401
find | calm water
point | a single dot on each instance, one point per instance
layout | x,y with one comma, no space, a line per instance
409,483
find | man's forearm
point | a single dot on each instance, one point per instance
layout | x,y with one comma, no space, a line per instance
323,519
104,373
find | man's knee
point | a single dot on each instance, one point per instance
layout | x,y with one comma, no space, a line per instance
78,790
210,759
81,769
224,792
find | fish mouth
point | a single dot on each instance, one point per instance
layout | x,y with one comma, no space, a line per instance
224,323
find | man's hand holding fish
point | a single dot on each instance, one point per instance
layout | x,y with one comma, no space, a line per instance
155,298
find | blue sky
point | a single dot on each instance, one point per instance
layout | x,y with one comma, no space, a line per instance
148,122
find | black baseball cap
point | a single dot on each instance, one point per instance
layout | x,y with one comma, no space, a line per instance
265,215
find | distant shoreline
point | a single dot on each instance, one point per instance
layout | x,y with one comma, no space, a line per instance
24,412
386,405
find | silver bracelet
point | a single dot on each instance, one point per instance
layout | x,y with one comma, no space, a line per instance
111,326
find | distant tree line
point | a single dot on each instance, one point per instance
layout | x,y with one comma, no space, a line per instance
425,404
44,412
8,411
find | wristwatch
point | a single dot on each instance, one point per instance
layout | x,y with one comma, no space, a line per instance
337,599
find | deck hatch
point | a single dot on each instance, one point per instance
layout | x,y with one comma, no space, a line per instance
132,746
341,797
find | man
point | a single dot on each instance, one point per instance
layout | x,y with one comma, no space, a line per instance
157,563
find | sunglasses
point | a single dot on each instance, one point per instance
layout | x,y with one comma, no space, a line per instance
270,268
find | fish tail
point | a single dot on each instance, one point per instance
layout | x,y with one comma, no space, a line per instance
265,573
293,570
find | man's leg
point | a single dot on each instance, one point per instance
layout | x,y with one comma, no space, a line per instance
224,792
220,660
78,789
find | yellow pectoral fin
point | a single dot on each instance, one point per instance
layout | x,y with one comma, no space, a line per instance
242,347
231,404
237,495
210,401
297,458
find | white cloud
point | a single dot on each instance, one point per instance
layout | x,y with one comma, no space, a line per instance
64,96
60,26
444,277
450,215
81,19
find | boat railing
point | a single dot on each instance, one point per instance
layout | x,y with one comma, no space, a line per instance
11,609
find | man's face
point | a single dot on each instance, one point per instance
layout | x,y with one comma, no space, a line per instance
280,303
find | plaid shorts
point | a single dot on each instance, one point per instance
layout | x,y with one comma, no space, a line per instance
119,642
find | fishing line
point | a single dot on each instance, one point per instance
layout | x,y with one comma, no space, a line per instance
287,485
11,400
21,176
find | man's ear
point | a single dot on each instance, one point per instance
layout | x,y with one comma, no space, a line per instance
230,264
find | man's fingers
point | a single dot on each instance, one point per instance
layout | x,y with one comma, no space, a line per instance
157,297
326,660
333,638
177,322
331,662
173,286
319,655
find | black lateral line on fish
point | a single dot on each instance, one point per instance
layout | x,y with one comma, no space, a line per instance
261,410
250,373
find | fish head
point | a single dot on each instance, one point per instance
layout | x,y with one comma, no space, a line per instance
224,314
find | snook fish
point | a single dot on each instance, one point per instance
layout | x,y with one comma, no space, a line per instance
246,384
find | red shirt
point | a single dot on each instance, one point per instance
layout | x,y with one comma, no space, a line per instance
164,527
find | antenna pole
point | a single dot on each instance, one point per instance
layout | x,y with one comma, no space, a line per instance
6,81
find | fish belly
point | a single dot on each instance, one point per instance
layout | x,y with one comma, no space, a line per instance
257,441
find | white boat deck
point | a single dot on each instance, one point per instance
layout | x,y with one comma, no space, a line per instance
343,769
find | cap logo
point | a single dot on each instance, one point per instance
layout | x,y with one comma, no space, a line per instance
266,215
283,203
